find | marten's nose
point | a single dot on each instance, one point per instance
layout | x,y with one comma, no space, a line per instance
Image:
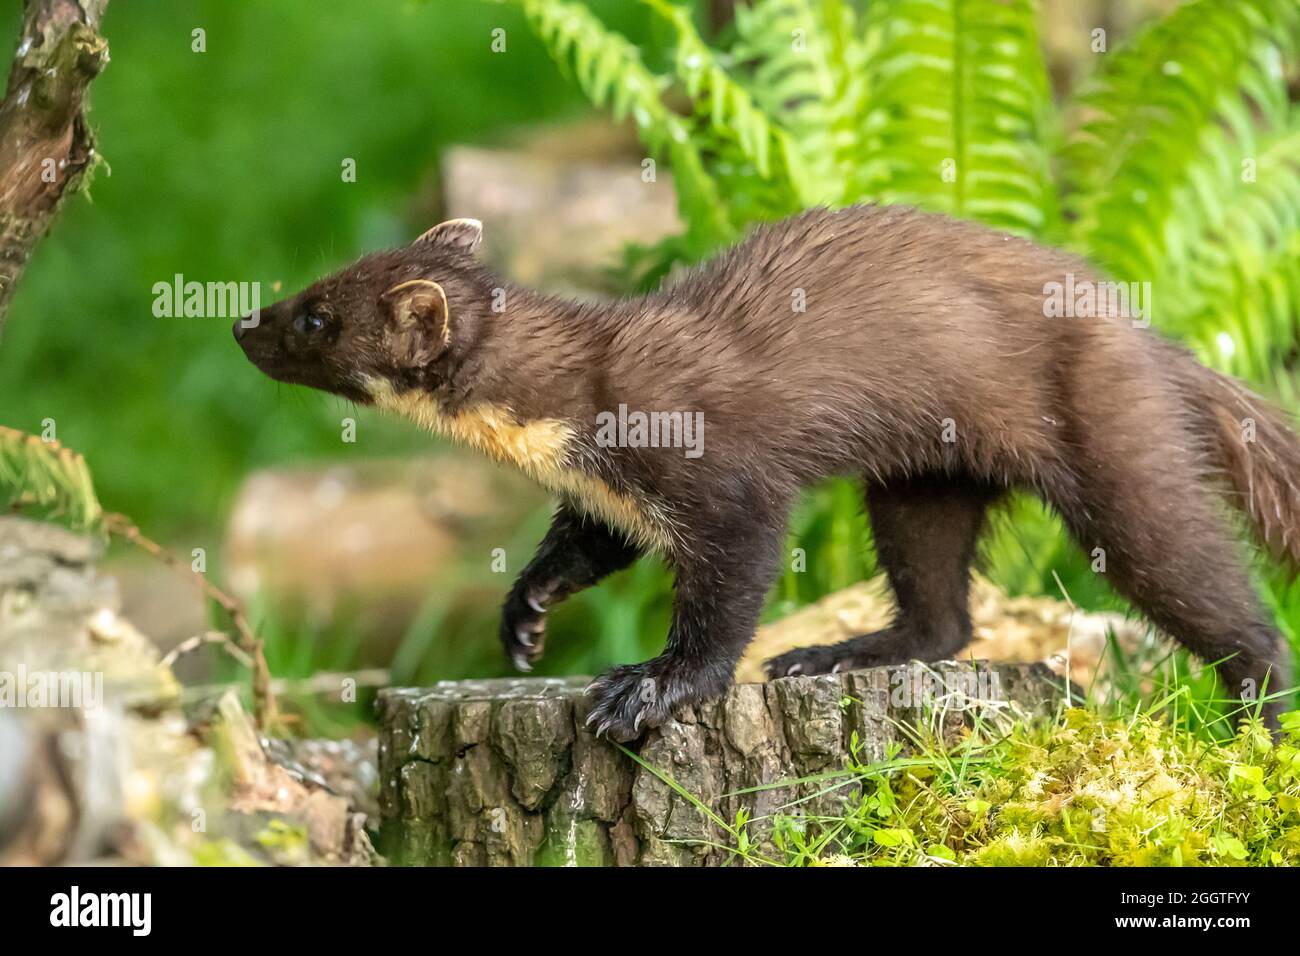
244,323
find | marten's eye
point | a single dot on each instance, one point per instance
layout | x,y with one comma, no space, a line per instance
308,323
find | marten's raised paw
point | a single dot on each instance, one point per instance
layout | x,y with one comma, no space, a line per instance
523,625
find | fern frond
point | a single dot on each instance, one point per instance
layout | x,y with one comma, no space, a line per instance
44,477
733,117
959,105
1236,295
805,64
611,73
1159,134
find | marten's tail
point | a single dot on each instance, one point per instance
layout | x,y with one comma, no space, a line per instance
1251,443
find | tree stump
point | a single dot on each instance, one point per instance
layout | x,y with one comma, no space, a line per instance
505,772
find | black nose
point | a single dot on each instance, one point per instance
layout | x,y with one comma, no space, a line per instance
239,330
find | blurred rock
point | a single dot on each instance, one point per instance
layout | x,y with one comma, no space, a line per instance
98,763
152,601
59,614
559,219
87,741
376,536
281,816
348,768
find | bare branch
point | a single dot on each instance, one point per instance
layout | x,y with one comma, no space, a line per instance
46,146
267,712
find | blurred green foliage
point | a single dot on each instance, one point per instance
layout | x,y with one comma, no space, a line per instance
226,165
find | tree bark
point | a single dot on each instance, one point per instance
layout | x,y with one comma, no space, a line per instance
505,772
46,146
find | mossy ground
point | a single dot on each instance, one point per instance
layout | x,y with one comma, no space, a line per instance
1082,790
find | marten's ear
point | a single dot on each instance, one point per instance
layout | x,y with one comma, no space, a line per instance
458,233
419,325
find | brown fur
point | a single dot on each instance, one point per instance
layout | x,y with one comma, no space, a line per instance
923,363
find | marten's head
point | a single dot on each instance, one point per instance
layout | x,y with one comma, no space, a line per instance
388,319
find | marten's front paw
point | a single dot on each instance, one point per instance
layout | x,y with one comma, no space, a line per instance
523,624
629,699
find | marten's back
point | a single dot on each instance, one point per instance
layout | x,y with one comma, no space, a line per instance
863,322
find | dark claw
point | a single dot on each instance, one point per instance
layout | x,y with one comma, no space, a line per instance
523,626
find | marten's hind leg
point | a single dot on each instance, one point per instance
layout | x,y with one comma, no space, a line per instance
1168,547
926,533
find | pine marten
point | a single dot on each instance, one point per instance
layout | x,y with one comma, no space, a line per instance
905,348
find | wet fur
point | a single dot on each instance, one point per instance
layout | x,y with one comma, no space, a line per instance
913,322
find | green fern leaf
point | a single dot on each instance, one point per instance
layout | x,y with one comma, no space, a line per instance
735,118
46,478
1159,133
1235,295
610,71
804,63
959,106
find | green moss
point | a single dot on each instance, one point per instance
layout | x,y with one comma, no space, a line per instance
1084,790
285,842
223,852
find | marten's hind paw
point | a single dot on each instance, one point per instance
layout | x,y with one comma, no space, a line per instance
806,661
